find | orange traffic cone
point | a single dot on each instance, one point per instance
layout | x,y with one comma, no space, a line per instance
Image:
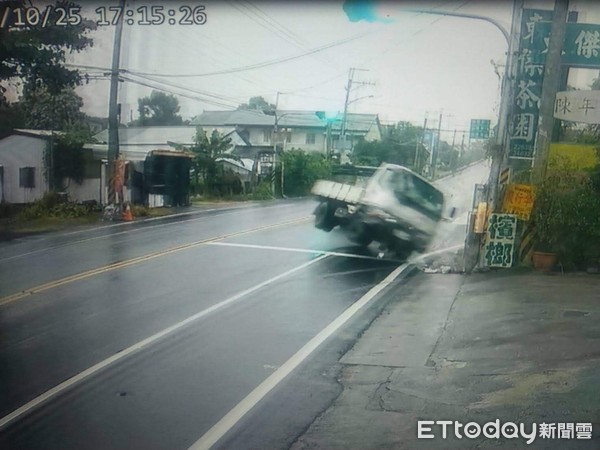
127,214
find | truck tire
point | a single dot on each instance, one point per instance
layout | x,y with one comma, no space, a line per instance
358,234
324,216
403,250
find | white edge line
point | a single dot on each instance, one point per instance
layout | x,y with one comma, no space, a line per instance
214,434
294,249
4,421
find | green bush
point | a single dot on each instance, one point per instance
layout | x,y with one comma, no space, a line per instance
54,205
262,192
567,218
301,170
140,210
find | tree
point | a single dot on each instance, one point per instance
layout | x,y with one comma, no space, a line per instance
258,104
206,152
301,170
67,158
397,146
43,110
33,57
158,109
36,54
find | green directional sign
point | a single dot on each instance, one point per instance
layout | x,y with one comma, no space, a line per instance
480,129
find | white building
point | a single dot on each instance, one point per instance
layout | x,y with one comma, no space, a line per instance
24,169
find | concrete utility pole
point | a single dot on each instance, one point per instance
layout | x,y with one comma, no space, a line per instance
113,108
437,148
348,87
550,86
347,102
275,133
420,144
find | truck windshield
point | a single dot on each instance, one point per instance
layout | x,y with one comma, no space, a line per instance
413,191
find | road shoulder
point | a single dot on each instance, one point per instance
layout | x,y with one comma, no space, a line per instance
514,347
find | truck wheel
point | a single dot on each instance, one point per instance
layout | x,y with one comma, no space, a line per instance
403,250
358,234
324,218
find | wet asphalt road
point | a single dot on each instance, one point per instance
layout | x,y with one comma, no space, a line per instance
114,287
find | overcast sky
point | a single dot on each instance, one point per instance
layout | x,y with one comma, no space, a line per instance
420,64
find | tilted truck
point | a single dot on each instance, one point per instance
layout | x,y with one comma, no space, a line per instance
390,204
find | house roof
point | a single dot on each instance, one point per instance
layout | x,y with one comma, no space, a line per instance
233,118
44,134
243,163
356,122
285,118
152,135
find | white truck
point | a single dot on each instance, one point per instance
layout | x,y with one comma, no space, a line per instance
390,204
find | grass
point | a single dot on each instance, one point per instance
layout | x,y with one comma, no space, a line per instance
46,224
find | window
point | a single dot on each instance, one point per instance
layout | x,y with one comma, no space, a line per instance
310,138
267,136
27,177
288,137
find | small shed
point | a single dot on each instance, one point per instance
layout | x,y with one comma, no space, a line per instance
24,169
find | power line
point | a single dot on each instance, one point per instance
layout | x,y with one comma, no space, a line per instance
297,39
264,63
170,91
276,27
195,91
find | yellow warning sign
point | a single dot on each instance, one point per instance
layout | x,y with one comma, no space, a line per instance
518,200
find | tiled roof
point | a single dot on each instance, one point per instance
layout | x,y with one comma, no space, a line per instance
233,118
152,135
285,118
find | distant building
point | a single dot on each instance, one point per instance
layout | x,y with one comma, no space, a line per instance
296,129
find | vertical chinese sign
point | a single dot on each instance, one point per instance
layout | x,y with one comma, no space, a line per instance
500,245
533,46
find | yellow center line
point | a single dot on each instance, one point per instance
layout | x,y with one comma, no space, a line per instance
137,260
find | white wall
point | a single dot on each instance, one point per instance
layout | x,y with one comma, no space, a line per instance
257,135
17,152
373,134
88,190
299,140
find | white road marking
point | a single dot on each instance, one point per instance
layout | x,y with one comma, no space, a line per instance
144,343
218,430
294,249
230,211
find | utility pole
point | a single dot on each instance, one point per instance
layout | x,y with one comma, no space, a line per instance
550,85
437,148
420,143
347,102
348,87
113,108
275,133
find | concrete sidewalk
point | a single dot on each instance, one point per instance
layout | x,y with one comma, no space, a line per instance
518,347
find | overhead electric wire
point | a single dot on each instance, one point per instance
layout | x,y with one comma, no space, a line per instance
269,23
285,30
264,63
170,91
